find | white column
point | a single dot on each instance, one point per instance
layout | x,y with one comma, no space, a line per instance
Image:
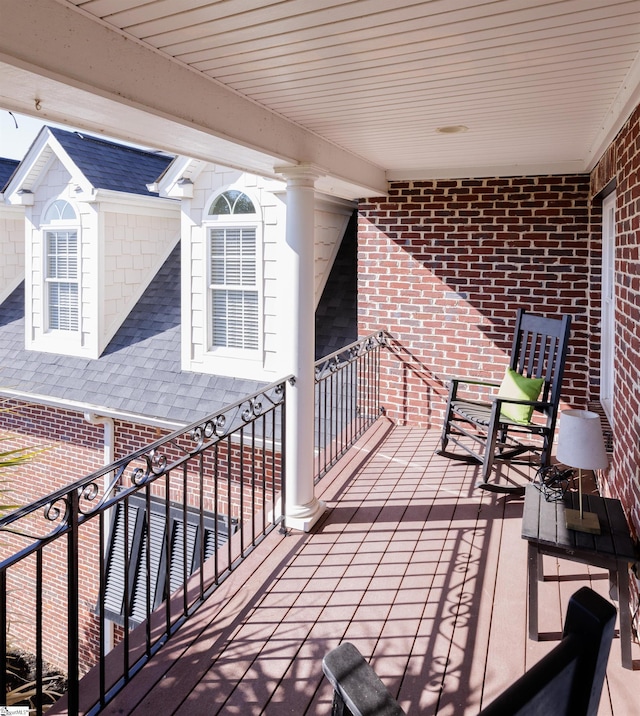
302,508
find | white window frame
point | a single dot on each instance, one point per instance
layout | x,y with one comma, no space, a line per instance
233,223
608,305
59,227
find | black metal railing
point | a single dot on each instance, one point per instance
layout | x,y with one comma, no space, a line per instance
347,398
142,541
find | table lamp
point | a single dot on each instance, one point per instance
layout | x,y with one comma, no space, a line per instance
581,445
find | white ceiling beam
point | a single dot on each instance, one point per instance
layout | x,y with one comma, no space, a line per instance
85,74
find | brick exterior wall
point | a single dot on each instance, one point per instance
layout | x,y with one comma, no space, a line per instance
72,448
443,266
621,164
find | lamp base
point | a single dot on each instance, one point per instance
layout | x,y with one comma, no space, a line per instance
589,521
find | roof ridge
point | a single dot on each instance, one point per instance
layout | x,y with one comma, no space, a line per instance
110,142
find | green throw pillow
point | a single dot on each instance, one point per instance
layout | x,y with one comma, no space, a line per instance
518,387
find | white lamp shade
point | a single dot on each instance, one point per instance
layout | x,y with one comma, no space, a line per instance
580,440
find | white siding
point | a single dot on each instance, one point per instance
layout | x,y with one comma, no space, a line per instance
11,249
134,248
331,219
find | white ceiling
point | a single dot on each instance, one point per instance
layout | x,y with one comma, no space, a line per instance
359,87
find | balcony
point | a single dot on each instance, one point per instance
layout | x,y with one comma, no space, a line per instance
425,574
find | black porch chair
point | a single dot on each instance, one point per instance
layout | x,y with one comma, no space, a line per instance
566,682
490,421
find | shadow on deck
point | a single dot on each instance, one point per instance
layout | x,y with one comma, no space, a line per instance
423,573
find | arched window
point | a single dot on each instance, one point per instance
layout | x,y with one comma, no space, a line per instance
60,210
61,266
232,202
233,272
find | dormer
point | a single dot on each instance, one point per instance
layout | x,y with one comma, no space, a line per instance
233,286
94,238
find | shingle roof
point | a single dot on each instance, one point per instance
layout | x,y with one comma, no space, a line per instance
7,167
337,312
112,166
139,372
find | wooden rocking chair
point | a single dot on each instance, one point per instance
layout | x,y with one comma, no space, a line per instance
567,681
489,421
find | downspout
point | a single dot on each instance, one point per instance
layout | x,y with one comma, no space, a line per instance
109,432
109,457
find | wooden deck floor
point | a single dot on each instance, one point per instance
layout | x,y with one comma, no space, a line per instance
424,573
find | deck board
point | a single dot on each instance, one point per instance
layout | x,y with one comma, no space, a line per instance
425,574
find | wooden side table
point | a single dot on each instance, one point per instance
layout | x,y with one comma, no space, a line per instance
543,525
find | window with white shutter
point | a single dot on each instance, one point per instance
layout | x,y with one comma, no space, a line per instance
61,268
233,276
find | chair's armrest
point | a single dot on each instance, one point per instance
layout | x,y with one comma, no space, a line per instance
473,381
475,386
356,684
542,406
535,403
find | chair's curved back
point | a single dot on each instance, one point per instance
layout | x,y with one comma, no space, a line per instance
566,682
539,350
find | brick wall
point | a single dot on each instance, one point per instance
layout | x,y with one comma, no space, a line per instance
621,164
443,265
72,448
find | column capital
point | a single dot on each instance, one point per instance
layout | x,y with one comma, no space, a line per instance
305,174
